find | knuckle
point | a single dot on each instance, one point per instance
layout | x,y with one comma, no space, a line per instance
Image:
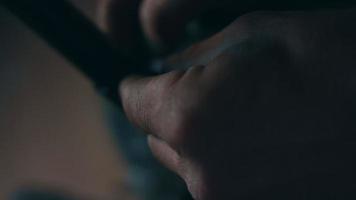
173,77
168,83
259,23
257,17
251,21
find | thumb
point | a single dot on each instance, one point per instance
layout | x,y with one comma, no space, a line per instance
145,101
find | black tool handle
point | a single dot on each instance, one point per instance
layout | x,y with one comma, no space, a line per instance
77,39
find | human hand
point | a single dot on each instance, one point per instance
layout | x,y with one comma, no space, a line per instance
163,22
264,107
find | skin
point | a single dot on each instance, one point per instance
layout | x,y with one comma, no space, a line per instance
160,20
263,108
164,21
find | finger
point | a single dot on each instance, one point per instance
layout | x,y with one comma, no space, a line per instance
145,102
120,20
198,54
165,154
204,52
164,21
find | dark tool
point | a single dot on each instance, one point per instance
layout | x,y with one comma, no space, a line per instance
78,39
38,195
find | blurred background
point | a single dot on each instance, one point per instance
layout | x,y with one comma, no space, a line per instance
57,134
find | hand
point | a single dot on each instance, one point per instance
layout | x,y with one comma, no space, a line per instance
161,20
265,107
164,22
